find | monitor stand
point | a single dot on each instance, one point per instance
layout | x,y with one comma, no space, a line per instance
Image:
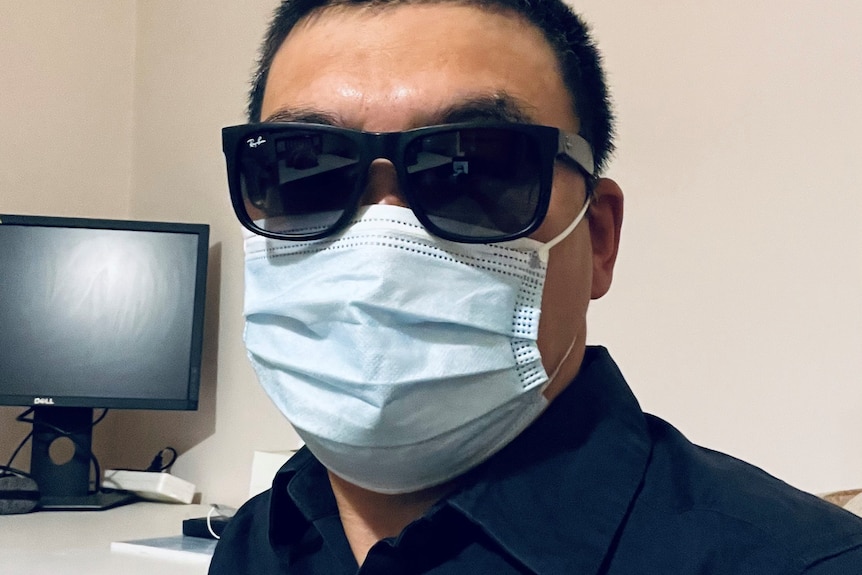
92,502
65,484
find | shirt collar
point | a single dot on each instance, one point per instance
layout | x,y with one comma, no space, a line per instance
289,511
573,474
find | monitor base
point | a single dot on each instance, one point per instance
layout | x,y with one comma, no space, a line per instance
93,502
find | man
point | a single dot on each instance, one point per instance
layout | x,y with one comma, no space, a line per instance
425,179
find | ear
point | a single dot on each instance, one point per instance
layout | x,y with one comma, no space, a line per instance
606,219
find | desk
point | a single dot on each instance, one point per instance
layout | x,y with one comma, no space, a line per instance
79,542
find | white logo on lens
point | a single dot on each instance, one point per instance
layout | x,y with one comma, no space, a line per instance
252,143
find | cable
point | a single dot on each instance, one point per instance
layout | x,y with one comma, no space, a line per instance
18,449
212,510
223,511
157,464
6,471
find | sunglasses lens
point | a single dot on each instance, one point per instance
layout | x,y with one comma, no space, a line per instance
479,183
298,182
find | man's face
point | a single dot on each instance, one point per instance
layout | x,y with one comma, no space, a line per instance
410,66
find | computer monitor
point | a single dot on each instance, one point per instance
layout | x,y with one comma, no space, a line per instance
96,314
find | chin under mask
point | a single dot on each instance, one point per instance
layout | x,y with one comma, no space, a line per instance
402,360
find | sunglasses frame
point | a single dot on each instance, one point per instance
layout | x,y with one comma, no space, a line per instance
553,144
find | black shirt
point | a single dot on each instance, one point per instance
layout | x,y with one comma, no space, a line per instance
593,486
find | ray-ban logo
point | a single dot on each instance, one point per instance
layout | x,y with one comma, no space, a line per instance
252,143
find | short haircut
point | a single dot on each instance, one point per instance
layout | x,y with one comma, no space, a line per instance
568,35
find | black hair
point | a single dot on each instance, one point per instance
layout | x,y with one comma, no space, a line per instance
568,35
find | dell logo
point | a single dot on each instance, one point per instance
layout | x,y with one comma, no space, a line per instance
43,401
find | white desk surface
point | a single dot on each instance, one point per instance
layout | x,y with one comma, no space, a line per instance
79,542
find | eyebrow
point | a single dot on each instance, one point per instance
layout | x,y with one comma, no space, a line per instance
303,115
497,107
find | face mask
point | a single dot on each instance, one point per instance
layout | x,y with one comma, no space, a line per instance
402,360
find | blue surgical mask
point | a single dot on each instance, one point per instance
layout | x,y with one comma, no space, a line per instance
402,360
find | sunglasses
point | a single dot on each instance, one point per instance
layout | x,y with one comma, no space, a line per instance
476,182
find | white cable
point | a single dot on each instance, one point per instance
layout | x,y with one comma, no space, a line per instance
213,509
223,511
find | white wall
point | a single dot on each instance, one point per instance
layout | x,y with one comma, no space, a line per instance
735,312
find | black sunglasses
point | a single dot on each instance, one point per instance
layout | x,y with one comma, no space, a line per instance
475,182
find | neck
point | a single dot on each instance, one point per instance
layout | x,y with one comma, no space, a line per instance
368,517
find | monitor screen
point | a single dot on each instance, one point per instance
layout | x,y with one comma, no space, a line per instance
98,313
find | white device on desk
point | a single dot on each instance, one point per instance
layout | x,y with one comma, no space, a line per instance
151,485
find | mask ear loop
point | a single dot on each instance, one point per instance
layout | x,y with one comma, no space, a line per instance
545,248
560,364
543,252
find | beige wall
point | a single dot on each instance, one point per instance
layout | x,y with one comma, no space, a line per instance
735,312
66,89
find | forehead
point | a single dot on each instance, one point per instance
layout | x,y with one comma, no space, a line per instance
405,66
